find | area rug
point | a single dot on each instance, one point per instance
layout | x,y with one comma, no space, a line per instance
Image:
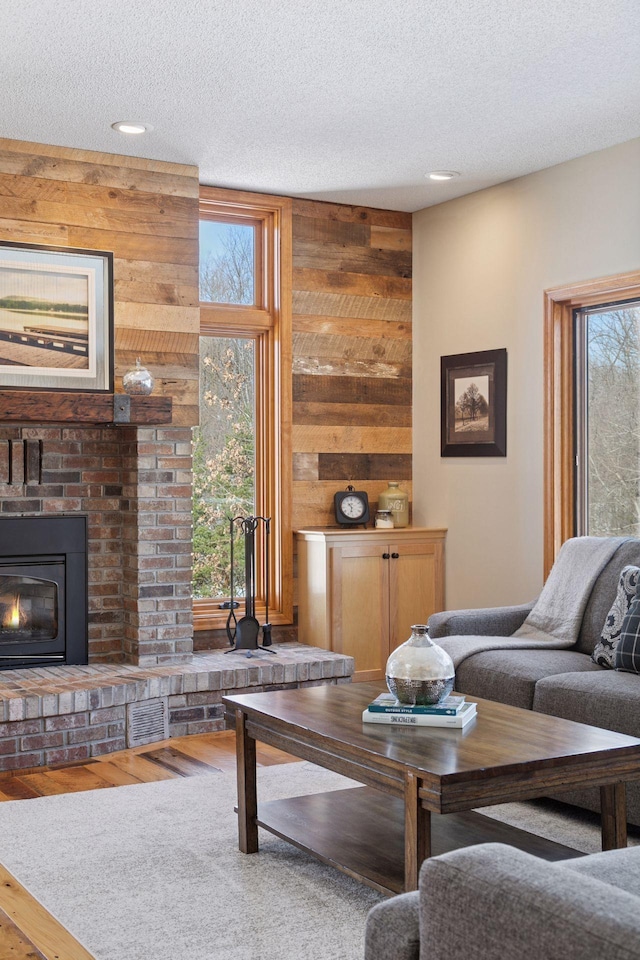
153,872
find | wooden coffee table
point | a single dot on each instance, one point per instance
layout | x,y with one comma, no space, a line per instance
381,833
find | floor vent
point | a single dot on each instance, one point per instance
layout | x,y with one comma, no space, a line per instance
147,721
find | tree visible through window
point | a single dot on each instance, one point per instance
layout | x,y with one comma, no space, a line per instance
223,459
227,258
224,443
242,448
608,378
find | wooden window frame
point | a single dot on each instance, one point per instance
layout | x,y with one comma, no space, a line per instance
560,304
268,323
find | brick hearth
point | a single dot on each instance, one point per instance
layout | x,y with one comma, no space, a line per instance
60,714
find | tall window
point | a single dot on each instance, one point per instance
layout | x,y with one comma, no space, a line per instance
224,460
607,420
592,401
242,445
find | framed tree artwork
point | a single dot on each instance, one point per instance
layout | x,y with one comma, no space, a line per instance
56,318
474,404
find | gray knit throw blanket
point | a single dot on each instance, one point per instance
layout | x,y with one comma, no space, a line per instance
554,622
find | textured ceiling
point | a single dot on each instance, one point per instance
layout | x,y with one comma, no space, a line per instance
347,100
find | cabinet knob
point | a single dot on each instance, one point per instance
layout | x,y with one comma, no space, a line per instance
394,556
385,556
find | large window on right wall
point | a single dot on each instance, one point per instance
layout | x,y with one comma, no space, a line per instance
592,411
608,420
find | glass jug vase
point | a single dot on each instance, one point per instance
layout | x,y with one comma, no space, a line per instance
419,671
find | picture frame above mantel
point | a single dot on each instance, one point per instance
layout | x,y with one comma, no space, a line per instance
56,318
474,404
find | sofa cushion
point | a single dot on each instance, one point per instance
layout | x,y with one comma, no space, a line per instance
604,650
627,652
603,595
510,676
604,698
619,868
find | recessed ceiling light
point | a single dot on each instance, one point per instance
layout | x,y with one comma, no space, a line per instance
131,126
442,175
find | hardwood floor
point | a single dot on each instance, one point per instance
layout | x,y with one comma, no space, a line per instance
27,931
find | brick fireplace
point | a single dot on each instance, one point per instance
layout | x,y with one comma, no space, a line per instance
134,486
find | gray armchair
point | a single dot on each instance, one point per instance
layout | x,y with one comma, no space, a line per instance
494,902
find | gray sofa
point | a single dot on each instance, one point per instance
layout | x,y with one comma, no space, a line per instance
563,683
494,902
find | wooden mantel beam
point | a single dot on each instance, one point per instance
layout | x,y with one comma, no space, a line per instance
57,406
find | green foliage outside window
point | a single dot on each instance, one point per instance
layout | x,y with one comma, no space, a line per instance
224,443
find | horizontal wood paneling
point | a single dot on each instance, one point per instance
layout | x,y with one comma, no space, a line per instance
351,348
357,284
309,439
154,221
367,466
131,245
108,169
388,238
159,316
354,327
32,232
325,303
330,231
146,213
146,341
99,197
350,214
353,390
352,258
339,367
351,354
364,414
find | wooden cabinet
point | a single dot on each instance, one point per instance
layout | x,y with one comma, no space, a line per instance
359,591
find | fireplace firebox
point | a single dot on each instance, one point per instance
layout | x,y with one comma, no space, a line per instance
43,591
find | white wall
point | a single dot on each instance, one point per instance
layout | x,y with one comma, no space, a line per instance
481,264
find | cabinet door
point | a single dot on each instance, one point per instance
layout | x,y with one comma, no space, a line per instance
416,587
360,607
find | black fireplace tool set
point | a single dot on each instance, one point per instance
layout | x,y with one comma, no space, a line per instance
243,633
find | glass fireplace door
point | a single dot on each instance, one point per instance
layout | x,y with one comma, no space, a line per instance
32,610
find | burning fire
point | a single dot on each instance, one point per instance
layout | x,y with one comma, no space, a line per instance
12,618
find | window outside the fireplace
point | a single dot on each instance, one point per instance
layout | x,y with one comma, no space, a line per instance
608,431
223,461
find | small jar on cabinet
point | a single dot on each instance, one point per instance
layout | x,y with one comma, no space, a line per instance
384,520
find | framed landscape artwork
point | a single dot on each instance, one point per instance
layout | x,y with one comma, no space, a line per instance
56,318
474,404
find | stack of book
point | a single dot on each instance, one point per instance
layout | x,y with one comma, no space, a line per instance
450,712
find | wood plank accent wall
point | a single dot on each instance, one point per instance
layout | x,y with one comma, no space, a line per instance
146,213
351,354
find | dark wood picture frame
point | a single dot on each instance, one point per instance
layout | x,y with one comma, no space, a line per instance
56,318
474,404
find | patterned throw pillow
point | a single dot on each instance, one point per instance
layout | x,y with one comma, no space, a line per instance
604,651
627,656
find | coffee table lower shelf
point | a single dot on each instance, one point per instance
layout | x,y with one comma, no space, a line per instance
360,831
